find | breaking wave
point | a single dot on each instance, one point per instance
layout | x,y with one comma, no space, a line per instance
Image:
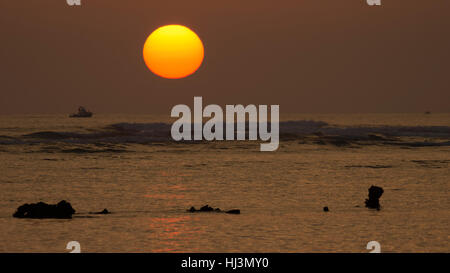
306,131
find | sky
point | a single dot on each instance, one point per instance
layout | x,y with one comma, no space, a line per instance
308,56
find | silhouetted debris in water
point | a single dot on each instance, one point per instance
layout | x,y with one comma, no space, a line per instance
211,209
62,210
374,195
234,211
105,211
326,209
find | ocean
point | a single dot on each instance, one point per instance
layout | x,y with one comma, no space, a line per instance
129,165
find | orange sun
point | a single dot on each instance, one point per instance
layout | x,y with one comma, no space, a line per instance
173,52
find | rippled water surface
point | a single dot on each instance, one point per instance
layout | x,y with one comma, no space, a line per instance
128,165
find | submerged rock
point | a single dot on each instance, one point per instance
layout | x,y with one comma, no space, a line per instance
211,209
374,197
105,211
62,210
233,211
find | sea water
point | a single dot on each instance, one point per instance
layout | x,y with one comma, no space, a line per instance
129,165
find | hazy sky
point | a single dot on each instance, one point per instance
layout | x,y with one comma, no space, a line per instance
306,55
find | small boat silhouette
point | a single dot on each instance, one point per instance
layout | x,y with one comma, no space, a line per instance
82,113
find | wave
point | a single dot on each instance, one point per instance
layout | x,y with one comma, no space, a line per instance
91,151
305,131
370,166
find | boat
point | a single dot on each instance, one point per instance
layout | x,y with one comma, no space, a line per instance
82,113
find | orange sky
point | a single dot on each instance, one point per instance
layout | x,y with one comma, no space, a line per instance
306,55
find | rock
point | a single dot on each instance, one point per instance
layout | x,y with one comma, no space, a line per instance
211,209
374,197
234,211
206,208
105,211
62,210
326,209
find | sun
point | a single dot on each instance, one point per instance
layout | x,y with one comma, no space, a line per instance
173,52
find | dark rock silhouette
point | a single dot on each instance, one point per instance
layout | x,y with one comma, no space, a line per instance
233,211
62,210
325,209
374,197
105,211
211,209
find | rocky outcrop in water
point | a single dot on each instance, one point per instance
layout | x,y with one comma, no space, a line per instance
374,197
105,211
62,210
211,209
